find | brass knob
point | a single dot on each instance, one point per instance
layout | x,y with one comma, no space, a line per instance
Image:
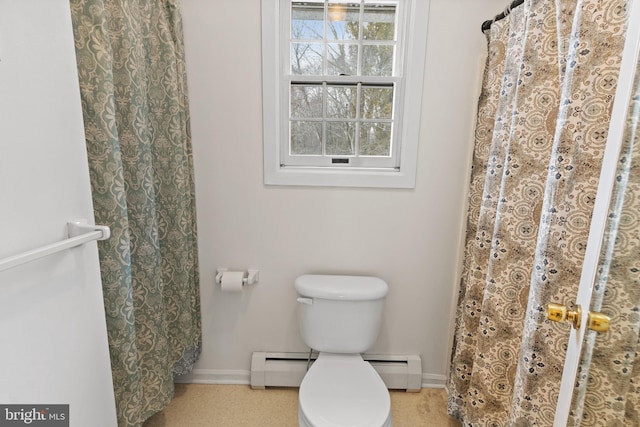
560,313
556,312
598,322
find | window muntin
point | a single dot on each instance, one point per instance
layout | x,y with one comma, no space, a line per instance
343,79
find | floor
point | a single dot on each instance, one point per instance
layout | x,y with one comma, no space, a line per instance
197,405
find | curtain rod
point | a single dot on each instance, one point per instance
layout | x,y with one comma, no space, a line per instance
487,24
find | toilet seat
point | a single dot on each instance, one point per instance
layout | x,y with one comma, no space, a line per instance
342,390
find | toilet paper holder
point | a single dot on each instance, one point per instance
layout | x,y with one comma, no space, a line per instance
252,277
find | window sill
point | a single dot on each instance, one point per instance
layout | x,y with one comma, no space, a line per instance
339,177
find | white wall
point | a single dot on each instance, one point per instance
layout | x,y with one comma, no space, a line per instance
53,335
410,238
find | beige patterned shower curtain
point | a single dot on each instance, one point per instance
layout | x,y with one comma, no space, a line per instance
543,118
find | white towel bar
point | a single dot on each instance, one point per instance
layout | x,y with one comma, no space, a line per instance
78,232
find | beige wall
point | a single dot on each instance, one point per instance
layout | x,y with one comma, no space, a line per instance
410,238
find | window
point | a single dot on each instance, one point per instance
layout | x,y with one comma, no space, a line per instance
342,83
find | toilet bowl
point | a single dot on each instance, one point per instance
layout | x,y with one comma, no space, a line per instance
340,317
343,390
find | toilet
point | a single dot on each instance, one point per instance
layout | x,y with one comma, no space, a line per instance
340,317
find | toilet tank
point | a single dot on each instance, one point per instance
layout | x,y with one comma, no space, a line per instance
340,314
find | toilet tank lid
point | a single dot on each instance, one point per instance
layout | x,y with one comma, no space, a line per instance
349,288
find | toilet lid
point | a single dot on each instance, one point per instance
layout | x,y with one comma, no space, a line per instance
344,390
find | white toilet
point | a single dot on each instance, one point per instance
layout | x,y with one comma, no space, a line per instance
340,317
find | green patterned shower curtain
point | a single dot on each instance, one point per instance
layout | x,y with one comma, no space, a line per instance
543,119
132,78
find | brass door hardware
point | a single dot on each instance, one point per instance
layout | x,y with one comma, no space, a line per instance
560,313
598,322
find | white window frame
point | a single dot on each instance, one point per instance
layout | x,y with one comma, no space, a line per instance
412,40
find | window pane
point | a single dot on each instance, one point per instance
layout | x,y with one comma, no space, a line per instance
342,59
306,101
306,138
377,102
379,22
341,138
375,139
341,101
306,58
377,60
343,21
307,21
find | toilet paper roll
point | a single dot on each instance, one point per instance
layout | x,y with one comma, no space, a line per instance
232,281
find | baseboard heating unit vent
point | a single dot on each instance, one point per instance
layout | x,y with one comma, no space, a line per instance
287,370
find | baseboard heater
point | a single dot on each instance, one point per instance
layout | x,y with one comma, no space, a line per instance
402,372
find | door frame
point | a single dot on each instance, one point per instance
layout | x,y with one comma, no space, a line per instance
608,174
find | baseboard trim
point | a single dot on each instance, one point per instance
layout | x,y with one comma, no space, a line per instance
433,381
215,376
